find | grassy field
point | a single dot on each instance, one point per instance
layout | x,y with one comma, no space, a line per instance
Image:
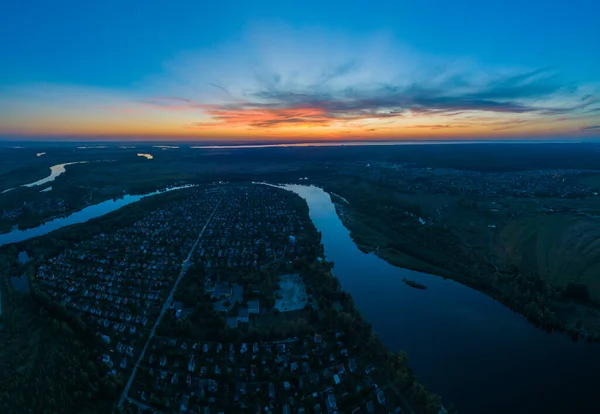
522,251
559,239
561,248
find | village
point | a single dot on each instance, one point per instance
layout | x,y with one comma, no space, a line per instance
317,373
243,267
118,282
519,184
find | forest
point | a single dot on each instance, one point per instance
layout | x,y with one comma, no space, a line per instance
378,222
49,362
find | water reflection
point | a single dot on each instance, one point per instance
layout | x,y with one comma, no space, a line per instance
463,344
81,216
55,171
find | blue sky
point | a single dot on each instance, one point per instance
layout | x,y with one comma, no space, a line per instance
127,49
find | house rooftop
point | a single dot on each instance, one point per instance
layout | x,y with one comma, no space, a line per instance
253,306
232,321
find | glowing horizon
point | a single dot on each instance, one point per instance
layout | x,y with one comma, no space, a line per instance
278,82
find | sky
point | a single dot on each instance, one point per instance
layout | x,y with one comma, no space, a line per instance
301,71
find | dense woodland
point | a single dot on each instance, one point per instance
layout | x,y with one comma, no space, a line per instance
49,362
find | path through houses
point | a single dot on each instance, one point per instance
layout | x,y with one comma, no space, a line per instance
169,300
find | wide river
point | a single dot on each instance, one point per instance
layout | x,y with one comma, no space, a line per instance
462,344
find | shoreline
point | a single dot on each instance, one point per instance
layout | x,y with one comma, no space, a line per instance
79,209
392,367
540,314
395,364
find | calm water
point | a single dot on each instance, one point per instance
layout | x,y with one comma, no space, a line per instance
23,257
55,171
462,344
80,216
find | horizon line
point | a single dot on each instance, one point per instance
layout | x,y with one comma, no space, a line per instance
211,144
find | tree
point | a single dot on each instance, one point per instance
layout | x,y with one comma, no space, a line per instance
577,291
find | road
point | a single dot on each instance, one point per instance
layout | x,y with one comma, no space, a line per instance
165,307
144,406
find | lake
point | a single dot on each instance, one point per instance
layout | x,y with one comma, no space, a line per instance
462,344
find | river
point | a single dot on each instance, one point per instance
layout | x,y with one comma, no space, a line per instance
462,344
80,216
55,171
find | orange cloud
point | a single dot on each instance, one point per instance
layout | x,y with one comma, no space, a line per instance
264,118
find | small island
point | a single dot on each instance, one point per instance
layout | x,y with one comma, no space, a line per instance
414,284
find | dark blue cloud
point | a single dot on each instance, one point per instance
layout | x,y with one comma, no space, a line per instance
503,95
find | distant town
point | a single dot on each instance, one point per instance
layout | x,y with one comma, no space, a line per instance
527,184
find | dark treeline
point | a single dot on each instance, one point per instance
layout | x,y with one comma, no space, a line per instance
379,219
49,362
57,241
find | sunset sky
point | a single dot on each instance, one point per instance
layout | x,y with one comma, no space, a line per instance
311,70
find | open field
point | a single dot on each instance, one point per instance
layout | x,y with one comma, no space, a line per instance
291,295
561,248
502,246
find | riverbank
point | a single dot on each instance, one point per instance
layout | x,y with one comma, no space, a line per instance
80,216
32,219
393,372
339,312
402,241
457,335
368,242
